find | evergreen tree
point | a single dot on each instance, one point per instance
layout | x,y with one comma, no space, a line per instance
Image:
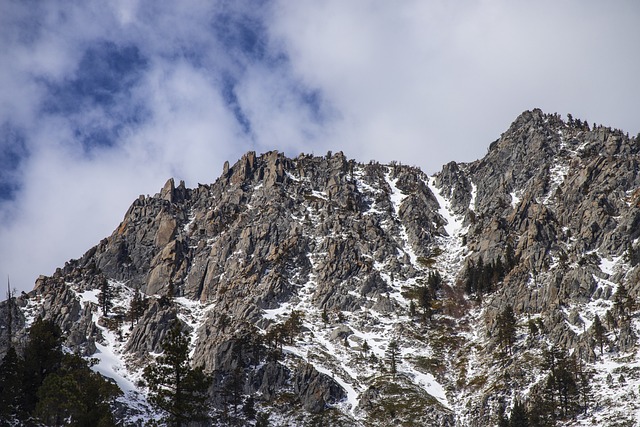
137,307
262,419
509,257
540,414
424,300
567,385
584,379
10,308
533,328
598,332
519,417
233,387
325,317
471,278
503,420
76,395
623,303
562,390
393,356
506,325
293,325
365,347
42,356
52,387
249,408
10,386
434,281
105,298
611,320
174,386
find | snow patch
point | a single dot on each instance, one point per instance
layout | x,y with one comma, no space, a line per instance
89,296
453,223
515,199
607,264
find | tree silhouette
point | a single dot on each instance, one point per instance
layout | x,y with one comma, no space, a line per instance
506,325
105,298
598,332
174,386
76,395
42,356
10,385
137,307
393,357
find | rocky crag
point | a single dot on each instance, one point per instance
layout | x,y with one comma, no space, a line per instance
546,225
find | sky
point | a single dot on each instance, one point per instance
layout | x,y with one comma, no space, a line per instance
101,101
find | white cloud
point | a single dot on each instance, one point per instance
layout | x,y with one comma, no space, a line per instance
437,81
415,81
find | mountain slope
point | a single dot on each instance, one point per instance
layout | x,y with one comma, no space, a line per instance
369,257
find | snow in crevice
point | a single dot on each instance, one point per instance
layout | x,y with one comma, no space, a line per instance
193,313
190,221
515,199
474,197
368,191
557,175
454,252
453,223
607,265
110,350
396,197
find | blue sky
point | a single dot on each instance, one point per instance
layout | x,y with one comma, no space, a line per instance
103,101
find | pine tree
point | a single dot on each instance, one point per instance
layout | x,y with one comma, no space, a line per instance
503,420
434,281
137,307
293,325
506,325
262,419
10,308
53,387
365,347
533,328
519,417
424,301
10,385
623,303
42,356
562,387
233,387
174,386
249,408
584,382
325,317
105,298
393,357
598,332
76,395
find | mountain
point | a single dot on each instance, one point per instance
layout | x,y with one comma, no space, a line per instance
333,292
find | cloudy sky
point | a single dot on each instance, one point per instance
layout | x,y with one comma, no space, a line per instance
103,101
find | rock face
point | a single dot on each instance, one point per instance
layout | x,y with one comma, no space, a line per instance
547,223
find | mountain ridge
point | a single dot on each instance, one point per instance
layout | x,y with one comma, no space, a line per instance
545,223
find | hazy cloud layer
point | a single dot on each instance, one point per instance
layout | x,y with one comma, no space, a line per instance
104,101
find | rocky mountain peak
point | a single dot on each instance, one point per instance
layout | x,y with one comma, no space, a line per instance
369,294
